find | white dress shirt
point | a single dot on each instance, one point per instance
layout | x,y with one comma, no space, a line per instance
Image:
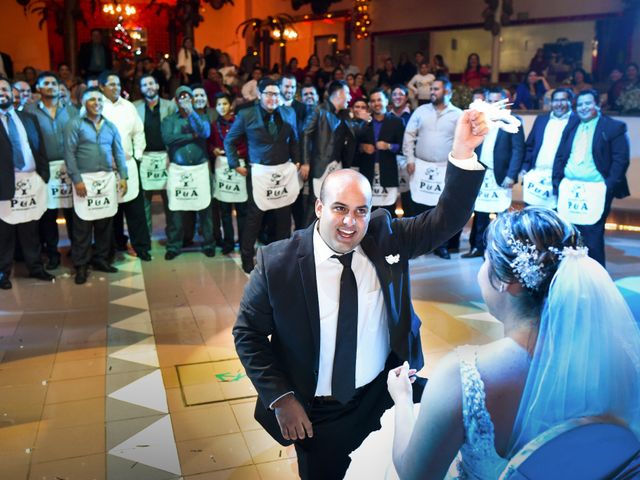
373,344
27,154
551,141
124,115
486,155
429,133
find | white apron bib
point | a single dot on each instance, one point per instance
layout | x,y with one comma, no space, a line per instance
230,186
153,170
538,190
317,182
382,196
29,202
492,197
60,186
189,187
274,186
133,183
404,178
427,182
581,203
102,196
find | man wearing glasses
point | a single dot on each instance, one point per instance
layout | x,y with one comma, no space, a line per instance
272,138
542,144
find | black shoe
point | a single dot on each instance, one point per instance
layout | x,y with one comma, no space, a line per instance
473,253
247,266
442,253
144,256
219,243
81,275
42,275
227,250
54,262
103,267
170,255
209,252
5,283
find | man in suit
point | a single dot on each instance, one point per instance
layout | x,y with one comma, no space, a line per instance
272,138
152,111
381,143
596,149
502,154
94,57
321,380
544,139
21,150
328,136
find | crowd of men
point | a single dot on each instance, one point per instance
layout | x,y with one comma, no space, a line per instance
207,156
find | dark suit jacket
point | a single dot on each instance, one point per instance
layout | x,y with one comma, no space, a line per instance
392,131
84,57
536,137
610,154
7,175
508,153
263,148
281,297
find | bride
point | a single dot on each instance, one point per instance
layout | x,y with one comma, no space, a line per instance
571,349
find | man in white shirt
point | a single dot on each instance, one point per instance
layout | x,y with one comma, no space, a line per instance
544,139
428,136
123,114
320,376
420,84
347,67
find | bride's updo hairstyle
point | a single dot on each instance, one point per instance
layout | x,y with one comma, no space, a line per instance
525,246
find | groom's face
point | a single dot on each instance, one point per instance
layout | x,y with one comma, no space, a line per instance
343,211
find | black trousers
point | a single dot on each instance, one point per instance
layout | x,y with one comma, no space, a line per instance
479,226
27,237
48,229
593,235
102,231
298,211
418,208
226,211
136,225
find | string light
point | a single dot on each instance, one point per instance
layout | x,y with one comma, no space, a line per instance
118,9
361,19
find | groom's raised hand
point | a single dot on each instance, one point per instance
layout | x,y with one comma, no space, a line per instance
470,131
292,418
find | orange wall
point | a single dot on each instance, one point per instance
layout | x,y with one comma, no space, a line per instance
21,38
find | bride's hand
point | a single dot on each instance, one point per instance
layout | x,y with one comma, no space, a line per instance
399,383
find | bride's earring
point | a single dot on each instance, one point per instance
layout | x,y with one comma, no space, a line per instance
503,287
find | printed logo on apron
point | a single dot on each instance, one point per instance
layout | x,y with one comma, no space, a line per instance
189,187
537,188
382,196
317,182
492,197
427,182
581,203
230,187
102,196
274,186
60,186
29,201
153,170
133,183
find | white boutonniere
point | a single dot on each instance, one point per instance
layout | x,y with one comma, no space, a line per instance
391,259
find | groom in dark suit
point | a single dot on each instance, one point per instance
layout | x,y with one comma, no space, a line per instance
328,311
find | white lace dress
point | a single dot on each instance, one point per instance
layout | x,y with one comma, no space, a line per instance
477,459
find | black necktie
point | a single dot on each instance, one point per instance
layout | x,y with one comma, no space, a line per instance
16,145
343,380
272,126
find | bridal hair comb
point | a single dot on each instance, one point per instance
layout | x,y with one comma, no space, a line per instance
497,115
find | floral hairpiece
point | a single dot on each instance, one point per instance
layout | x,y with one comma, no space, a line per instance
526,267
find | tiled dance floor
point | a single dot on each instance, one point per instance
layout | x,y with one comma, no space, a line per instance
134,375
